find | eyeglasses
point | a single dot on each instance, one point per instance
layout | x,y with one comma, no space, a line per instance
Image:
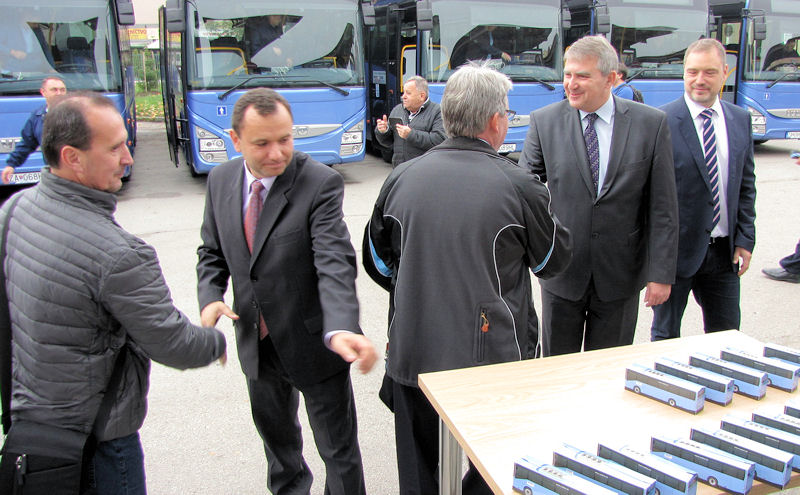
510,114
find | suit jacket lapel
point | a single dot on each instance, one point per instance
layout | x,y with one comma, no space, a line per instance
233,209
733,156
619,140
689,134
274,204
572,121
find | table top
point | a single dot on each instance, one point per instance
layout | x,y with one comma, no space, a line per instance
501,412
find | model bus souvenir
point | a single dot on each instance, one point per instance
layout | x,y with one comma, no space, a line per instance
598,470
783,422
719,388
782,352
662,387
534,477
671,479
781,374
764,434
713,466
772,465
746,381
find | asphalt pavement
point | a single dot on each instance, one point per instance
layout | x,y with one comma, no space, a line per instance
199,437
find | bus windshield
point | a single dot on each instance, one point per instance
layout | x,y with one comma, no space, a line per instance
651,36
776,58
291,44
75,40
521,38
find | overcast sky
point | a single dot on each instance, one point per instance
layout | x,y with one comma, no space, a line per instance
147,11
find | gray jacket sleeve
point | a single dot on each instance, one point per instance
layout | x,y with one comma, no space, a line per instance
137,296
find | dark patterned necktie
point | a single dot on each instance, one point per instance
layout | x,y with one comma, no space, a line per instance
592,148
254,207
710,153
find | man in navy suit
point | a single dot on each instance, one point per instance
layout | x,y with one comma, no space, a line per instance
713,155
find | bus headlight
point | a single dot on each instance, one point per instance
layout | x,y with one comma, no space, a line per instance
211,147
212,144
759,122
352,140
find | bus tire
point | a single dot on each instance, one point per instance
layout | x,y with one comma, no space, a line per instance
637,390
527,491
735,388
712,481
671,402
657,491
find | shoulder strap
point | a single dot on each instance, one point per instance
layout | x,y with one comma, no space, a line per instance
5,328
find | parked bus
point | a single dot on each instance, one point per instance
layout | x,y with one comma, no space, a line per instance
310,52
719,388
674,391
780,374
671,479
764,434
746,381
715,467
792,408
532,477
762,42
83,42
784,422
788,354
598,470
650,36
772,465
521,38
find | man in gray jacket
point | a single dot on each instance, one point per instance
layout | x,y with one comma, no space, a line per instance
80,289
420,127
453,237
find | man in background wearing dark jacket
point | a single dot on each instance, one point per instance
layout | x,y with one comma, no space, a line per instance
453,236
81,290
421,123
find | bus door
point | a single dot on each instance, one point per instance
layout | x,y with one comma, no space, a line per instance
166,87
172,26
725,25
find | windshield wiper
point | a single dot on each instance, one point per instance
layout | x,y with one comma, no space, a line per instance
534,79
241,83
783,76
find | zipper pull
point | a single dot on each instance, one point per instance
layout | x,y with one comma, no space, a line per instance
22,468
484,322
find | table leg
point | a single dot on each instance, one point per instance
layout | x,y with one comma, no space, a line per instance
450,455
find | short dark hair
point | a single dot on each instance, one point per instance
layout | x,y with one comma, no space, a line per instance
51,78
265,102
622,70
65,124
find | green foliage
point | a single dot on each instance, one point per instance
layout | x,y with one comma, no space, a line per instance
149,106
145,68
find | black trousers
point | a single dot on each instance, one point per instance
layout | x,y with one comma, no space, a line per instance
791,263
588,323
716,289
416,430
274,401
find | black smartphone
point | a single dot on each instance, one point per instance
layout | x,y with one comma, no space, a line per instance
393,121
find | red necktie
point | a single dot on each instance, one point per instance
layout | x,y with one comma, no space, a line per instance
254,207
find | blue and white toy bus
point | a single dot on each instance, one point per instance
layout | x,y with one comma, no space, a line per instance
781,374
715,467
533,477
746,381
772,465
788,354
598,470
671,479
784,422
764,434
719,388
674,391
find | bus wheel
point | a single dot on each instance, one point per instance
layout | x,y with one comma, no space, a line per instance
637,390
671,402
712,481
528,491
735,388
657,491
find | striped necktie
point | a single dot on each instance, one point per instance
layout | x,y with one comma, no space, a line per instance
592,148
254,207
710,153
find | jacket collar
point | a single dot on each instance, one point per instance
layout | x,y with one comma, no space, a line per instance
466,143
77,194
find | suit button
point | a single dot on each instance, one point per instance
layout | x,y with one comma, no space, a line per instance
254,279
595,235
253,304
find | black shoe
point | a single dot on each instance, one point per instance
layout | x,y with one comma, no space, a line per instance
782,275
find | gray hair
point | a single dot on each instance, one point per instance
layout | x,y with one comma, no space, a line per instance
706,45
420,83
598,47
472,95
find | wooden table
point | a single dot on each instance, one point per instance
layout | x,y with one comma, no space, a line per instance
499,413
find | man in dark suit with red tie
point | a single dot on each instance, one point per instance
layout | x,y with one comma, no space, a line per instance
714,172
273,224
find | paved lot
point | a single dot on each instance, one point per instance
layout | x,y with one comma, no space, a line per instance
198,436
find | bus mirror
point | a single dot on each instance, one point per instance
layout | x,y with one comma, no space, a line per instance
368,13
603,20
125,13
176,16
759,28
566,19
424,15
